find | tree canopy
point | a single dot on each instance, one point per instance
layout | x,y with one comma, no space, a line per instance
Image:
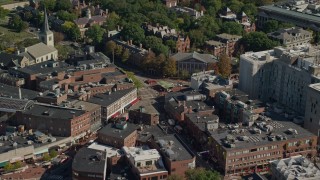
202,174
95,33
257,41
134,32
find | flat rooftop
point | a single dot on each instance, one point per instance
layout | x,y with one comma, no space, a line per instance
173,148
11,91
149,131
315,86
147,104
47,67
111,151
108,99
245,137
200,120
89,160
13,105
112,131
56,112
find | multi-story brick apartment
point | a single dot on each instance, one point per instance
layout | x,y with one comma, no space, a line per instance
294,36
240,150
302,15
55,120
296,167
231,104
223,43
144,112
281,74
178,104
145,163
312,117
193,62
114,103
118,134
197,125
89,164
166,33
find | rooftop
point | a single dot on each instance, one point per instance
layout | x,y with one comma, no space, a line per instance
141,153
147,104
290,33
173,148
83,105
296,168
206,58
13,105
113,131
39,50
201,120
111,151
262,132
315,86
46,111
11,91
89,160
47,67
108,99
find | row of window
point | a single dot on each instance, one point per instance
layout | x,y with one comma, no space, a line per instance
253,150
254,157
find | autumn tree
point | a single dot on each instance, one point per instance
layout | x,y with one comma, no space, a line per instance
170,68
110,48
125,55
118,51
95,33
224,66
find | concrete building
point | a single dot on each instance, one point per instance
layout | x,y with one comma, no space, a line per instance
312,117
302,15
240,150
145,163
280,75
294,168
187,10
89,164
118,134
114,103
291,37
193,62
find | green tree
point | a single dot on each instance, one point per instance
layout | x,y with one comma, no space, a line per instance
257,41
156,45
72,30
95,33
271,26
46,157
216,4
66,16
224,66
133,31
28,16
8,167
184,74
231,27
170,68
235,5
202,174
63,5
27,42
118,51
49,4
17,165
125,55
3,12
197,37
172,45
112,21
17,24
53,153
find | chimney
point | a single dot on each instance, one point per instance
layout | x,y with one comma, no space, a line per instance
149,50
20,95
190,109
131,42
140,45
18,52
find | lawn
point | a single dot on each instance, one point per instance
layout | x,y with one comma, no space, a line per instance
3,2
9,37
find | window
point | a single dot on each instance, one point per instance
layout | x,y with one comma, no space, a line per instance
138,164
148,163
310,119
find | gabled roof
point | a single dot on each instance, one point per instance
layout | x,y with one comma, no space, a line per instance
206,58
40,49
9,59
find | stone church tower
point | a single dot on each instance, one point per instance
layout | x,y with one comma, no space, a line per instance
46,36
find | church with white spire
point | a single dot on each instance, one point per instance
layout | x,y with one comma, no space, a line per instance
43,51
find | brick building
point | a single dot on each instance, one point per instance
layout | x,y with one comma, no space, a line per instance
223,43
118,134
144,112
55,120
240,150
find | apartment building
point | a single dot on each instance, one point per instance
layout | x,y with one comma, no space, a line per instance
144,112
280,75
240,150
118,134
291,37
223,43
145,163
